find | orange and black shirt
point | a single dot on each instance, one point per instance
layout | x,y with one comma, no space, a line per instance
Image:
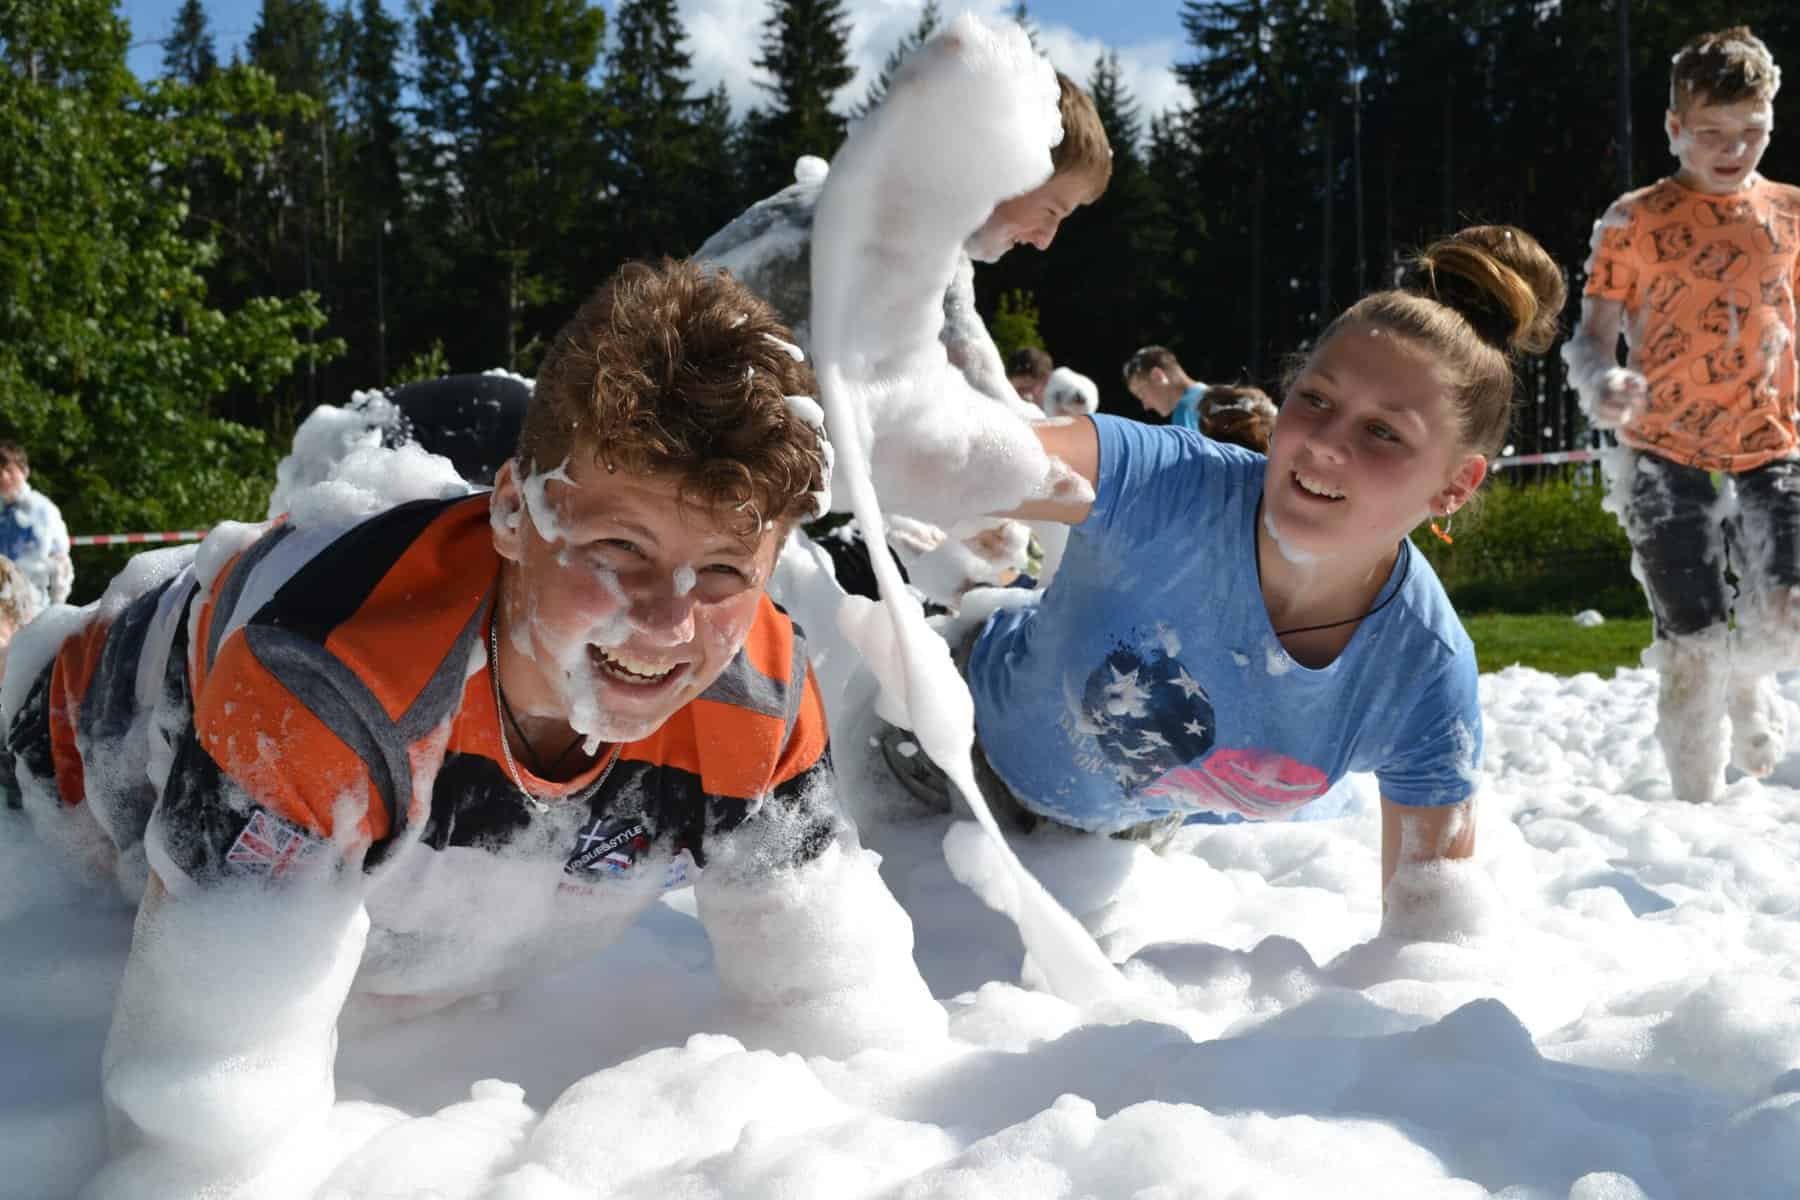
341,705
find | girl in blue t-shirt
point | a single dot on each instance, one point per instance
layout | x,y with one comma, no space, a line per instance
1230,634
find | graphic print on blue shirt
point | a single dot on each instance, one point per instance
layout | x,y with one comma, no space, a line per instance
1153,722
1148,715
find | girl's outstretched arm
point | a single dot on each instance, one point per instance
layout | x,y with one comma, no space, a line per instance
1076,443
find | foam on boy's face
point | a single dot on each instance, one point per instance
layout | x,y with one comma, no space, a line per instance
1720,145
1032,216
626,600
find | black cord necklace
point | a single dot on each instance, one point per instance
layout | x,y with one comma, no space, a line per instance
537,767
1405,570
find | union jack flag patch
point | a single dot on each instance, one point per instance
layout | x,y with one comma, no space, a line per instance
271,846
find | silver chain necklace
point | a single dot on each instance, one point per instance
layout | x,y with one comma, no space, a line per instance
500,710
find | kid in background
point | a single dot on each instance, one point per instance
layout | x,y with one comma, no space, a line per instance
1697,272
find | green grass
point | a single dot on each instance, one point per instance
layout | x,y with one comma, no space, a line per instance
1555,643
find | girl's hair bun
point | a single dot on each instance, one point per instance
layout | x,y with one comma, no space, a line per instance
1500,279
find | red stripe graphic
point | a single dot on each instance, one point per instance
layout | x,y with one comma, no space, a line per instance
121,539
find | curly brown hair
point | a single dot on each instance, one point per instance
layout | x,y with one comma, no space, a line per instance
1722,68
677,368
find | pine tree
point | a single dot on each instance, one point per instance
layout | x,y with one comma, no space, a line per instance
376,196
509,167
929,19
716,185
188,51
805,48
651,134
1108,278
1242,129
1022,15
293,216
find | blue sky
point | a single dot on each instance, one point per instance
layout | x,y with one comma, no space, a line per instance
1145,33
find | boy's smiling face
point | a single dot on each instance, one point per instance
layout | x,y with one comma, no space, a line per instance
622,601
1720,145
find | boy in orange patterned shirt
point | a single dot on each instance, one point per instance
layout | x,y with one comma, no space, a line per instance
1697,271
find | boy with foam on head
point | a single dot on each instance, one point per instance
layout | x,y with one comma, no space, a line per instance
467,741
1697,272
769,245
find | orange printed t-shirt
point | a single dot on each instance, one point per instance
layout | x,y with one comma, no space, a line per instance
1708,285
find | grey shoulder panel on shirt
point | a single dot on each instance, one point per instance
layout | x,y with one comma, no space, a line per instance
341,701
441,692
746,687
235,583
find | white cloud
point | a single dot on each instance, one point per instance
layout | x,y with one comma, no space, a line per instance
725,37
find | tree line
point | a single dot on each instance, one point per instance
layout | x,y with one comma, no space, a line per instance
357,198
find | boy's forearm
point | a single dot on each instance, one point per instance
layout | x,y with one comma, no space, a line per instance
224,1034
1594,346
817,958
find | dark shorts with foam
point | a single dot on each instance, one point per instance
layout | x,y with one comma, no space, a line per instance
1687,536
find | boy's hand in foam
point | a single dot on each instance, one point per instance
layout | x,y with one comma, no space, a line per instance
1619,395
944,453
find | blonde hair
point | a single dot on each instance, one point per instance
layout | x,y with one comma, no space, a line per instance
1084,149
1476,302
1722,68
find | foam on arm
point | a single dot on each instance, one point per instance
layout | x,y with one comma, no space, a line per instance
218,1068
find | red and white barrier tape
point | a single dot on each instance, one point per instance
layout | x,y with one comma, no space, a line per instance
124,539
1554,458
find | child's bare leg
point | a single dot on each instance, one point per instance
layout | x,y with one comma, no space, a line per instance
1758,725
1694,671
1767,641
1675,519
1767,558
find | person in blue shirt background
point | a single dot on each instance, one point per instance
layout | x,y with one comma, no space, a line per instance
1231,634
1154,376
32,533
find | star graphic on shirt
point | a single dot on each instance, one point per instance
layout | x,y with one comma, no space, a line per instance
1153,739
1190,687
1127,775
1195,728
1124,695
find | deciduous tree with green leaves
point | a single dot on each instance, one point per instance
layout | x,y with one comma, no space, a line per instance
507,163
110,352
